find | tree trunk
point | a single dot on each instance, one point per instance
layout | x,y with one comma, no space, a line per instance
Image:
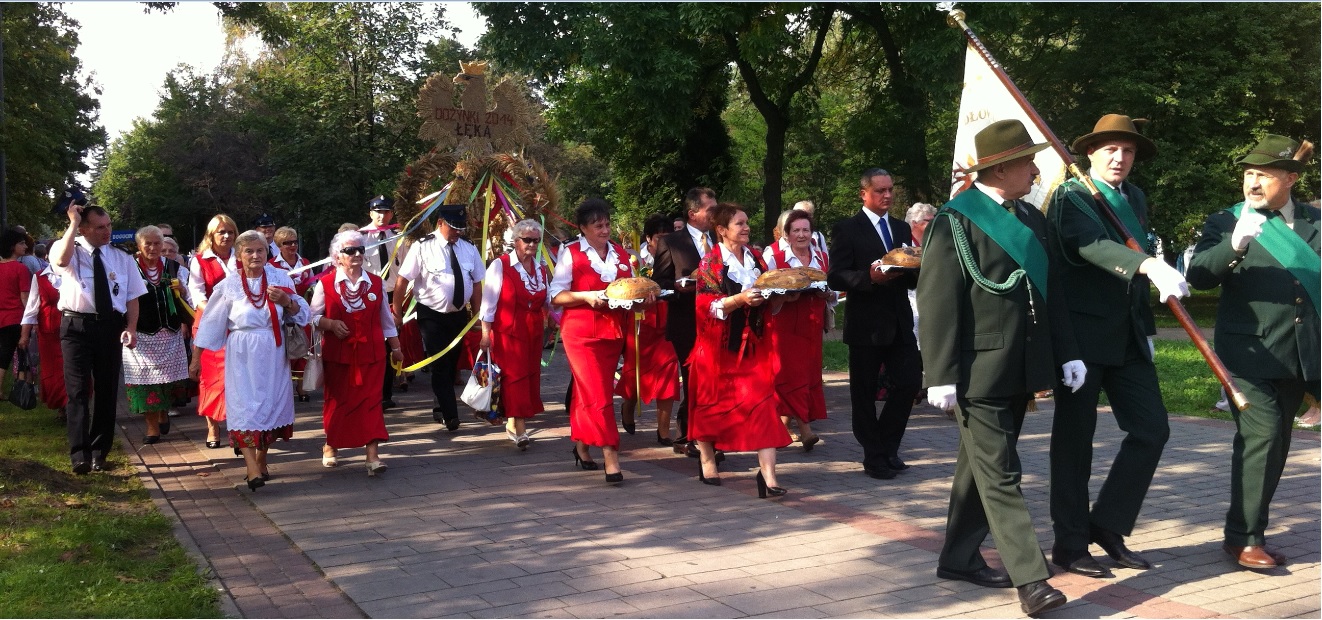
773,171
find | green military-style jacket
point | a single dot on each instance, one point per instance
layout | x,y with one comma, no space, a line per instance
1266,327
1108,300
987,344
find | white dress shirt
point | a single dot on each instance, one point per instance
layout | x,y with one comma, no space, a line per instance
886,221
371,257
197,287
697,236
612,267
77,292
318,305
427,265
745,272
496,279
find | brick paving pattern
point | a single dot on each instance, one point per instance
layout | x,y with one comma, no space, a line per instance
464,525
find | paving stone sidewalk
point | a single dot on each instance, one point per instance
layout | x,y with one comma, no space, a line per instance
465,525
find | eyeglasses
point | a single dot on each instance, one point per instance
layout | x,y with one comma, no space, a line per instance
353,250
289,242
530,240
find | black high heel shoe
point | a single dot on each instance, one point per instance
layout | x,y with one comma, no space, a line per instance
213,444
586,464
254,484
665,441
713,481
763,490
614,478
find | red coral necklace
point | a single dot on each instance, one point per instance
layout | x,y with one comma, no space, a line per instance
258,300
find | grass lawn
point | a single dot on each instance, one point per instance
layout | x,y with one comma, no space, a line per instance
1200,304
1187,386
89,546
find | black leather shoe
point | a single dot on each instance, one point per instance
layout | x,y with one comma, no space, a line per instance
452,424
880,473
986,576
213,444
150,439
896,463
1079,563
82,467
1038,597
386,404
437,416
165,427
691,450
100,464
1114,545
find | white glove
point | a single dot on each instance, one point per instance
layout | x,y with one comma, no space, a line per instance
1170,284
1075,374
1247,228
942,397
1152,348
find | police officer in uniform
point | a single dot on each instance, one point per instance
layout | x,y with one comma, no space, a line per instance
378,262
446,271
265,224
98,297
1263,253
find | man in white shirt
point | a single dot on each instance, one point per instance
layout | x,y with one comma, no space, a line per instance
98,296
265,224
378,261
446,272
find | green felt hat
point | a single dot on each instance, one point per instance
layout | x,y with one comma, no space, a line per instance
1003,141
1117,126
1274,152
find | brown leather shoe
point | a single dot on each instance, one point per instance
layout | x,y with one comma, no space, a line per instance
1254,556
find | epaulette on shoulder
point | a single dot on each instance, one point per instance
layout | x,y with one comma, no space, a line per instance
428,237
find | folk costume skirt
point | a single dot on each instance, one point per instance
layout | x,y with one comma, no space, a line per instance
655,356
734,400
53,394
592,360
352,414
796,341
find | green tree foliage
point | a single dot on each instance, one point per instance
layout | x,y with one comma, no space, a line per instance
50,114
631,82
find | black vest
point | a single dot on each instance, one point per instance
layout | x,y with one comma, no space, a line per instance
154,308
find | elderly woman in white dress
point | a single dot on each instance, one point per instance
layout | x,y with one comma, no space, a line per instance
243,316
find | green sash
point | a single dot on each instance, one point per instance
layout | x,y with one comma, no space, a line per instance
1007,231
1125,211
1291,251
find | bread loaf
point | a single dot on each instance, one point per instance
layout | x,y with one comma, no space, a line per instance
632,288
788,279
813,275
908,256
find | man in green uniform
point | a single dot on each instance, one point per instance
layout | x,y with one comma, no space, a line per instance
992,326
1263,253
1106,290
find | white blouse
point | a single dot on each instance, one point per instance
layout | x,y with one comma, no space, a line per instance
318,305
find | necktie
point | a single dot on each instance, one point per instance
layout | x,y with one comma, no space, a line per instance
101,286
457,293
382,254
1009,206
706,246
885,234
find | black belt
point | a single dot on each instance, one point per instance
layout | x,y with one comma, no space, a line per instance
91,316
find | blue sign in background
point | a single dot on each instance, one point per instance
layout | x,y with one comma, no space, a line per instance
120,236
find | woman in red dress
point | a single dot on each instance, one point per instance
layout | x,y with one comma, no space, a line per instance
286,239
734,399
659,376
514,305
349,306
593,333
213,261
43,314
796,332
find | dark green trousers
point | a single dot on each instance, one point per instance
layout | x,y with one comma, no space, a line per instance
985,495
1262,441
1135,398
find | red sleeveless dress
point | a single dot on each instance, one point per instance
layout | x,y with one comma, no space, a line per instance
355,367
53,394
516,342
796,342
734,397
594,341
211,378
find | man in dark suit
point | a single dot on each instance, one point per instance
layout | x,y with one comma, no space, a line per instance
1263,253
879,323
994,331
677,255
1106,290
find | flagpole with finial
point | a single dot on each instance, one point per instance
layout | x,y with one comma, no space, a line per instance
955,18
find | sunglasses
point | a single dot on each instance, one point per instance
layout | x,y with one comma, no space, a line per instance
353,250
289,242
530,240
